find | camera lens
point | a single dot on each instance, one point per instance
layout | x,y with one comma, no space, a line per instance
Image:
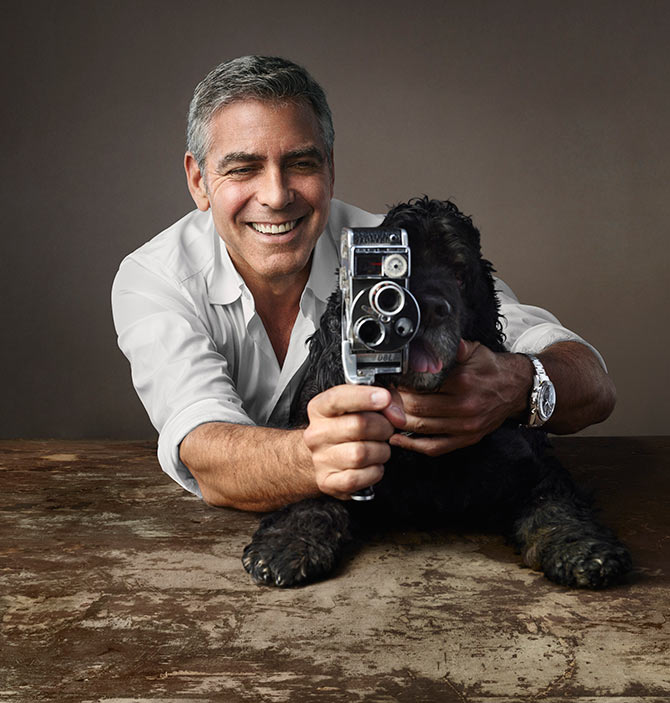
387,298
369,331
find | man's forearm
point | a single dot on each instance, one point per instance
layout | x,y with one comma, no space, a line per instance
585,394
485,389
248,467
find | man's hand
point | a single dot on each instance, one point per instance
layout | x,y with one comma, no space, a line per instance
348,433
482,390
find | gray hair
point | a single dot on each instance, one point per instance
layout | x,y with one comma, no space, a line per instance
267,78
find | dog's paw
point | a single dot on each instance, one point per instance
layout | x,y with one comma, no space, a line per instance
297,544
587,563
275,560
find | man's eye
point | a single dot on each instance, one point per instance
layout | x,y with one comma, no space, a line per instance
239,171
304,165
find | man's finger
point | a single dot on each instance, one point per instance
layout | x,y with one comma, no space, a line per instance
441,425
432,404
395,412
465,350
340,400
343,483
433,446
358,455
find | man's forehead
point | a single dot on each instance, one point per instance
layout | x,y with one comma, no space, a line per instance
254,130
245,117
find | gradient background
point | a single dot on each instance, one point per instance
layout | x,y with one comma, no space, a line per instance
548,122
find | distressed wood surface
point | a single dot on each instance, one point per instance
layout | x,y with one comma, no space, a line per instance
118,586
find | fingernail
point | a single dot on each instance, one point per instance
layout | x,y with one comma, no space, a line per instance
379,397
398,412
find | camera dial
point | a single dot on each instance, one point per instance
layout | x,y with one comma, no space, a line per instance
395,266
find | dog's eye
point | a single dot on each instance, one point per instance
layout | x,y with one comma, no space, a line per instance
463,275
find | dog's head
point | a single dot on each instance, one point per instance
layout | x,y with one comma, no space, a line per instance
453,285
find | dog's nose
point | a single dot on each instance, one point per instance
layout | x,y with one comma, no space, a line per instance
435,310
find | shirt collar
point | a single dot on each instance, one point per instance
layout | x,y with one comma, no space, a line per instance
325,264
226,285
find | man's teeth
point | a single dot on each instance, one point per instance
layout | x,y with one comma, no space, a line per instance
274,229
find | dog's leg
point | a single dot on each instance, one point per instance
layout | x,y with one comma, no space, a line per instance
558,535
298,544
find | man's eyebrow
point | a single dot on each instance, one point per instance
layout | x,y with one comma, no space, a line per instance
308,151
236,157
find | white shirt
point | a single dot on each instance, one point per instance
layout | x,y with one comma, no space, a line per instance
199,352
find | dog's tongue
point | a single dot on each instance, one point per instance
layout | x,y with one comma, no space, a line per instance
422,360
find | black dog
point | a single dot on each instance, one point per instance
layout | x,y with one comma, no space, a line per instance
508,481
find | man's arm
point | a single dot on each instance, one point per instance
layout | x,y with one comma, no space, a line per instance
342,450
485,389
585,392
182,378
247,467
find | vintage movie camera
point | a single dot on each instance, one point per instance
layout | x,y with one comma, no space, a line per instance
380,316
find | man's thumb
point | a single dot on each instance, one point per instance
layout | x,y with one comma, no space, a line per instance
465,350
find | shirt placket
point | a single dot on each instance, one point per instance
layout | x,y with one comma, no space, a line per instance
297,352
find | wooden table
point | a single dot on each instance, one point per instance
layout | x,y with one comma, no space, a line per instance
118,586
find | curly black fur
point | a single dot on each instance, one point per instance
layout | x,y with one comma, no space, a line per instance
510,481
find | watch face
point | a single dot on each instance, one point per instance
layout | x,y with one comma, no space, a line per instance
546,401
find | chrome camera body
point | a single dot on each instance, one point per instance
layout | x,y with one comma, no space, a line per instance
380,316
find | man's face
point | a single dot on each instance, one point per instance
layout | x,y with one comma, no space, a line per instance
269,185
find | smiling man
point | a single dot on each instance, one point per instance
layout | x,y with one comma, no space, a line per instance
268,182
214,314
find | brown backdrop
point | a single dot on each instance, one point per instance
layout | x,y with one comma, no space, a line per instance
547,121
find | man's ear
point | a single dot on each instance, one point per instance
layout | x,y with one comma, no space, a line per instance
196,182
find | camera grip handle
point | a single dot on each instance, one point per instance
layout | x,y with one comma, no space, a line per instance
364,494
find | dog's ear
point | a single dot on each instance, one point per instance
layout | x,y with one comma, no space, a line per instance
474,275
484,324
327,338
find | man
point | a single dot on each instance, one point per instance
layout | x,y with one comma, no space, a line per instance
213,315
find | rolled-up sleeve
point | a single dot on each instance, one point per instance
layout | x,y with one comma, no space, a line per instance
178,373
529,329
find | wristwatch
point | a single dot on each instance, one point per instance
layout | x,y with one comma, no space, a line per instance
542,395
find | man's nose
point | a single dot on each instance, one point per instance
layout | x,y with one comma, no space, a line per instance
275,190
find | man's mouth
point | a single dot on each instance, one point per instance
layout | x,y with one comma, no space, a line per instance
274,228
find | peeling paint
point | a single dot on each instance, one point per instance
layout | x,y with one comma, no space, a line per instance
60,457
116,587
